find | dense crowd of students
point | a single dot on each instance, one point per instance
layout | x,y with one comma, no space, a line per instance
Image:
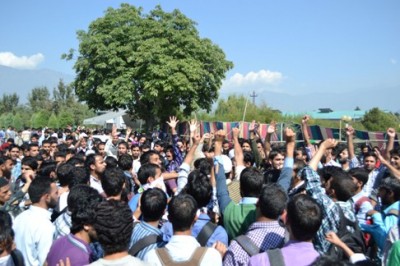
118,197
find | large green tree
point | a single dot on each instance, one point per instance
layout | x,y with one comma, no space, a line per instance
8,102
152,64
39,99
378,120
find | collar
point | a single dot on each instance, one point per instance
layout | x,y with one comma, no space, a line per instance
248,200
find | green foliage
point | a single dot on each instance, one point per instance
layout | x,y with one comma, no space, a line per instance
18,122
53,121
8,103
65,118
151,64
39,99
377,120
233,109
40,119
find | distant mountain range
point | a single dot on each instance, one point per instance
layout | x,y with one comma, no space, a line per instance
23,81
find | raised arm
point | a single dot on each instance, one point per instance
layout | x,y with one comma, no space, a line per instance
253,140
393,170
192,127
270,131
350,144
172,123
236,147
286,174
128,133
304,129
391,133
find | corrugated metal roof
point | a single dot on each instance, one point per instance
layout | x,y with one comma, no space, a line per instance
334,115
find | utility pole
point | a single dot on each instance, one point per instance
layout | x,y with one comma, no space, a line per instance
254,95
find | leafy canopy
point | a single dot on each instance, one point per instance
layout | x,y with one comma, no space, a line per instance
152,64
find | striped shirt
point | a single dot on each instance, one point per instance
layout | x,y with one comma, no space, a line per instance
142,230
266,235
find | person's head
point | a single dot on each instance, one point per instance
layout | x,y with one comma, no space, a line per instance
158,146
113,182
34,138
114,226
82,201
33,149
101,149
64,173
276,158
135,151
153,203
199,186
14,151
182,212
69,140
60,157
6,233
43,191
148,173
272,201
304,217
225,147
95,164
6,165
342,187
29,164
248,158
53,145
203,165
150,157
111,162
300,154
389,191
342,153
395,158
122,148
80,176
125,162
46,145
246,145
169,153
142,139
5,191
360,177
370,161
364,148
251,182
76,161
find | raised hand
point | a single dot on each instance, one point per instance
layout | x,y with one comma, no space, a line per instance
235,132
172,122
220,135
349,131
391,132
252,126
305,119
271,128
196,139
329,143
290,135
193,125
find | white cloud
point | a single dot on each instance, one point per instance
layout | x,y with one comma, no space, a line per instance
393,61
261,80
22,62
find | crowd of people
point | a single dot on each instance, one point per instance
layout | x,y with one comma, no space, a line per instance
119,197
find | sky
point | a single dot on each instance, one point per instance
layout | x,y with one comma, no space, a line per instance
290,47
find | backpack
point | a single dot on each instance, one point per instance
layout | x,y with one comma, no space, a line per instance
205,233
275,257
144,242
355,240
195,259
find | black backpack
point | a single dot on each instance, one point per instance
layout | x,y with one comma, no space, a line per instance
354,240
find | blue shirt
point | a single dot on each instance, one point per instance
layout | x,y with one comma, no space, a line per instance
219,233
142,230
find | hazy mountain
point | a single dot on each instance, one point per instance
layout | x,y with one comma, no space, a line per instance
22,81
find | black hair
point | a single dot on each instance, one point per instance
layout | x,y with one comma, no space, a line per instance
272,201
6,232
79,175
64,174
395,152
304,216
145,157
111,162
327,172
152,204
182,212
30,161
361,174
47,168
33,144
125,162
114,226
391,184
203,165
251,181
274,152
40,186
199,186
343,186
248,157
76,161
113,181
90,159
82,201
145,171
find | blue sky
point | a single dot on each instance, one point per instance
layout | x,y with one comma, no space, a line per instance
291,47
